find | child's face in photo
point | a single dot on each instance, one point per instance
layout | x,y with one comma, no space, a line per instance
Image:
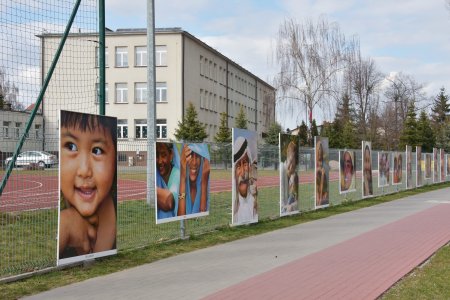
87,168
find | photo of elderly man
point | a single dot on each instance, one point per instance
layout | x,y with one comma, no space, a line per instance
245,203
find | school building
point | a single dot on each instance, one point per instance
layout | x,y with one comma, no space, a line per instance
187,70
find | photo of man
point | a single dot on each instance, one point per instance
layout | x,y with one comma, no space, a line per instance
245,191
347,172
398,165
322,171
288,174
409,182
383,169
367,169
419,166
88,187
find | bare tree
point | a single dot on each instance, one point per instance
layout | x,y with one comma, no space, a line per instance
401,91
310,56
365,80
8,93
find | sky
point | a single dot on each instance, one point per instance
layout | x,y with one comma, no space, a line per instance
408,36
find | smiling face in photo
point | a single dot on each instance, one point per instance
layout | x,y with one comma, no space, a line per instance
87,168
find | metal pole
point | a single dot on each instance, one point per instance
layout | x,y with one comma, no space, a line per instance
101,41
40,96
151,103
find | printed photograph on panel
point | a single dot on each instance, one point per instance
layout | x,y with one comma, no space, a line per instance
322,171
428,162
244,182
448,164
182,181
397,176
442,164
367,169
384,169
419,166
435,165
347,171
88,187
409,182
288,174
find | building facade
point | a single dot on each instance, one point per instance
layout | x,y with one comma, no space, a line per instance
13,124
187,70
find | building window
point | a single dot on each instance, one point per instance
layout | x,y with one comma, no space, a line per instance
141,129
161,56
202,99
37,131
97,57
97,96
161,92
121,57
5,130
201,65
121,93
161,129
140,59
140,92
17,130
122,129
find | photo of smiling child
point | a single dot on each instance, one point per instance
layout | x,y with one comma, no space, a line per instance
88,187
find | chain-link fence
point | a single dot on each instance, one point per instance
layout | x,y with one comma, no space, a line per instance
29,216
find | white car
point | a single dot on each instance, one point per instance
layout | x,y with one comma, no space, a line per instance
41,158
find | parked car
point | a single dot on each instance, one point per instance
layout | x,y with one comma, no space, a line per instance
41,158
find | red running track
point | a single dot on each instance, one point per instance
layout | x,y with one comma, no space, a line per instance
361,268
30,192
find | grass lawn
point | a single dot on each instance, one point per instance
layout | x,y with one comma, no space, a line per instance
141,241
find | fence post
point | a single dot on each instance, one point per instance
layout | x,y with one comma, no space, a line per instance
40,97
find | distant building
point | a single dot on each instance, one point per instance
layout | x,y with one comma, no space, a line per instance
12,128
187,70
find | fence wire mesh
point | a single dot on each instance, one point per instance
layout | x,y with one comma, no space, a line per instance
28,207
28,204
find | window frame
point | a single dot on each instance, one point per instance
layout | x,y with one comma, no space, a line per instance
161,91
161,127
123,92
140,57
123,61
142,92
161,56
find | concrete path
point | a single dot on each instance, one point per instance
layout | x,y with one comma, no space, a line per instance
356,255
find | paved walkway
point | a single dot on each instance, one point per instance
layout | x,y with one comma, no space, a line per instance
356,255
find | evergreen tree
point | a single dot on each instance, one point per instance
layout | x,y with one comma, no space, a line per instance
190,129
440,108
409,132
303,134
440,111
348,136
345,112
241,119
273,133
333,132
223,135
425,134
313,132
